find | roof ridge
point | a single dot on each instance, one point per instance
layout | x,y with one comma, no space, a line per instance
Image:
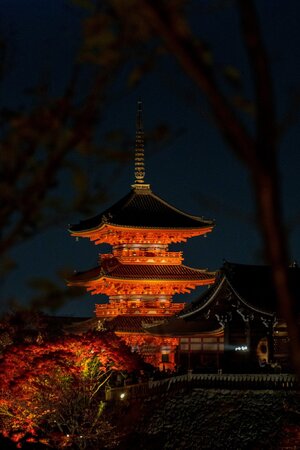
160,271
180,211
248,304
160,265
198,270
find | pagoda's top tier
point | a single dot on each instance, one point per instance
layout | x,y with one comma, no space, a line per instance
141,209
141,216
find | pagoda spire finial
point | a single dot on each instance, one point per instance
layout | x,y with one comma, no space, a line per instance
139,159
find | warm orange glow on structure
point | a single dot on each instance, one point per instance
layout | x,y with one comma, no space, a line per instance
141,276
117,235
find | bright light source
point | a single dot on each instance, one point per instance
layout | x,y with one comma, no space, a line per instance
122,395
242,348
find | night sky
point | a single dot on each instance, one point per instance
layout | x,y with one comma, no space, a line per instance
195,171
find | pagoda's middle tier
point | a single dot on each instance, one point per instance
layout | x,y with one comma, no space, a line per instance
114,278
143,254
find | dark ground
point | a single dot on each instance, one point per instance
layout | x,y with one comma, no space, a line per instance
206,419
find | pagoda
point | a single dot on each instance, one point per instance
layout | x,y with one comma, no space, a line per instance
140,276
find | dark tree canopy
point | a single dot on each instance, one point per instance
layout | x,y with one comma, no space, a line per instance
39,141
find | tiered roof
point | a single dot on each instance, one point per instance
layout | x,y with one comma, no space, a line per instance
125,324
140,227
131,324
115,270
140,208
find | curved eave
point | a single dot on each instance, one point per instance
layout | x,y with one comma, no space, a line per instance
192,311
97,280
250,305
210,299
179,211
86,233
138,273
143,210
197,231
180,333
180,328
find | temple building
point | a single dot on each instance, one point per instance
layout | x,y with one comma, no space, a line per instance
140,275
234,326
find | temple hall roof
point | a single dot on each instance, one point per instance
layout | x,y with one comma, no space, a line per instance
255,284
176,326
141,208
250,285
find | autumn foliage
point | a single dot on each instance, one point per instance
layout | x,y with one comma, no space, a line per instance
53,392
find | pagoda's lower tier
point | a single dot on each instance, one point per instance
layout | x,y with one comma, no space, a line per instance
136,306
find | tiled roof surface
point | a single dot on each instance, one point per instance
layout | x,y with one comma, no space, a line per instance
146,210
253,284
132,324
113,269
181,327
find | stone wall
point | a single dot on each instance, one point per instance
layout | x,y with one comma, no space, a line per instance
211,419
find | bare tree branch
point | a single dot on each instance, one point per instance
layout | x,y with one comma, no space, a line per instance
259,153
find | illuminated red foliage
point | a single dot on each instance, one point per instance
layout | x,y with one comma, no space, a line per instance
33,379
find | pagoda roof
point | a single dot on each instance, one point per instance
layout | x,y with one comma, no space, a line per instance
112,268
131,324
141,208
121,323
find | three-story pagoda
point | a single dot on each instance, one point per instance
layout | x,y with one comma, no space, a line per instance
140,276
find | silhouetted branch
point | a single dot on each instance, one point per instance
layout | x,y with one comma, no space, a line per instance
259,153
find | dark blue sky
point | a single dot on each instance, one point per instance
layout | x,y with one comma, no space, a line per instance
196,170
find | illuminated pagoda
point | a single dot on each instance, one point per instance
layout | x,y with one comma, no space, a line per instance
140,276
